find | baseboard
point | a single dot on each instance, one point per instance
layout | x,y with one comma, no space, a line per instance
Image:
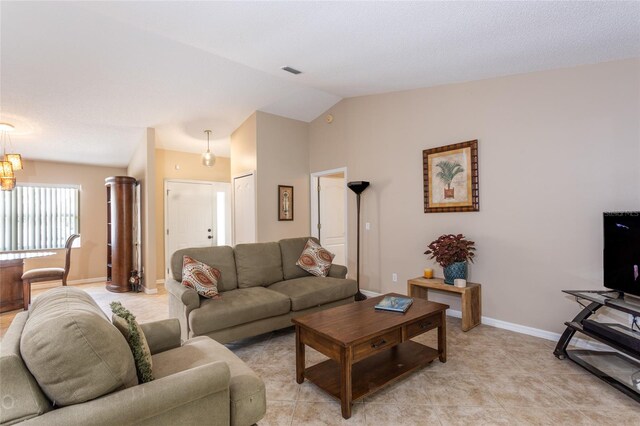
52,284
518,328
370,293
150,290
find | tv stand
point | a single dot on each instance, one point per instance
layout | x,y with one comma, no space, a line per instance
620,367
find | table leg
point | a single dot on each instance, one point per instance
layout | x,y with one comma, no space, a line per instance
442,337
299,357
346,359
471,311
26,294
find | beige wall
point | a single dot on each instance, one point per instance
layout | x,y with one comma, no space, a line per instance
277,149
556,149
90,260
181,165
142,166
244,147
283,159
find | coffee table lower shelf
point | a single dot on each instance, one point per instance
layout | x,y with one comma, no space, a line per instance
374,372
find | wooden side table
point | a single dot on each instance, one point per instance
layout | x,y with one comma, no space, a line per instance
471,297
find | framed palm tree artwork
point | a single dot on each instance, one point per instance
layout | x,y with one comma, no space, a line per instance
450,175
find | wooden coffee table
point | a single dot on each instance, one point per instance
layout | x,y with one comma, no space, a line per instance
368,349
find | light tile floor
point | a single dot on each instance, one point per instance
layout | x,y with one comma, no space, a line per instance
492,377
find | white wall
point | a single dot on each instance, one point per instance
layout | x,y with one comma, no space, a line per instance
556,149
142,166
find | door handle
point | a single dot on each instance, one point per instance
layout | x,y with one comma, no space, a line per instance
209,230
378,344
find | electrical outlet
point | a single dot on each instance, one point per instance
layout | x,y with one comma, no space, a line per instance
394,277
367,226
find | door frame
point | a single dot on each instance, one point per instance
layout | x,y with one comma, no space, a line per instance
167,259
233,202
313,198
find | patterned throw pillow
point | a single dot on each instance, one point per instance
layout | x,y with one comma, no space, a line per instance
126,322
315,259
200,277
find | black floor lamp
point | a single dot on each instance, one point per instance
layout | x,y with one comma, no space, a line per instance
358,187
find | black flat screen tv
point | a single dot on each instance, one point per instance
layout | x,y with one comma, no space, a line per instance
622,251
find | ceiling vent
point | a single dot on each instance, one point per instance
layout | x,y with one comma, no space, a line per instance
291,70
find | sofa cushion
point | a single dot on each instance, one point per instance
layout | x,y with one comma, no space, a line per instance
126,324
315,291
73,350
246,389
291,249
20,396
200,277
238,306
315,259
221,258
258,264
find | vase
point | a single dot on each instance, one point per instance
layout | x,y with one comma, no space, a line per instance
449,193
455,270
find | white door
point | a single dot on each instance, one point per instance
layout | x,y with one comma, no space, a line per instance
331,215
191,215
244,209
198,214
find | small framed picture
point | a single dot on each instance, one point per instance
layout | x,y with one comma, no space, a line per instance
450,177
285,202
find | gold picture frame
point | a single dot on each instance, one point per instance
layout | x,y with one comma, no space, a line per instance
285,202
450,177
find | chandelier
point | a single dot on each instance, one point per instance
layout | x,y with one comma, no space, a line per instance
9,162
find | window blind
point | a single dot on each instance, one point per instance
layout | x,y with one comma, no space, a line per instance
37,217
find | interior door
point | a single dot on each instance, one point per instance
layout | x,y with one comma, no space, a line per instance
331,212
191,215
244,209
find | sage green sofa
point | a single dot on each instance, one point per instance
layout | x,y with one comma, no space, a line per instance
261,286
64,363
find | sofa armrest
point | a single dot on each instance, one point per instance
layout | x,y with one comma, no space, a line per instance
155,402
186,295
182,300
162,335
338,271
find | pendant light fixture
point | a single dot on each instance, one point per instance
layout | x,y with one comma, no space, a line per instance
208,159
14,159
8,162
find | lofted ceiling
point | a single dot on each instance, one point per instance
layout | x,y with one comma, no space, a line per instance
81,81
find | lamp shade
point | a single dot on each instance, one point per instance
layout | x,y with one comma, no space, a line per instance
15,160
358,186
7,184
6,169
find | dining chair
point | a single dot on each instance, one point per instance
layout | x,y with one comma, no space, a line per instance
47,274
